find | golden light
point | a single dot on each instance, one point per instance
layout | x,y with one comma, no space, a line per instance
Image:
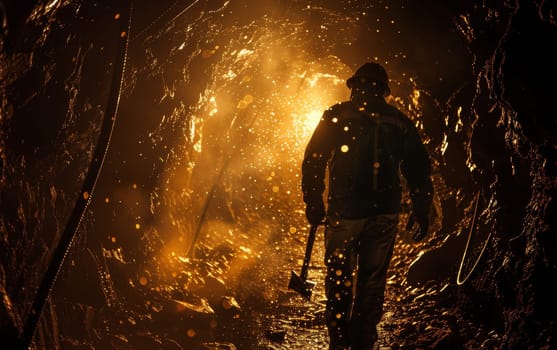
311,121
255,116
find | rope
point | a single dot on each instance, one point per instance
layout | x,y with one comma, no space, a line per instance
460,281
87,189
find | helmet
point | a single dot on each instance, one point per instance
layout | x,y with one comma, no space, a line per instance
370,71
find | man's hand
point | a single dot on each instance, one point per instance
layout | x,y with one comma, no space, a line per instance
421,231
315,212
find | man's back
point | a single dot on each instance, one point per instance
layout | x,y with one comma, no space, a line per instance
365,145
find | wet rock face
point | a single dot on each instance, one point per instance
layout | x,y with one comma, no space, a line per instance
197,210
517,74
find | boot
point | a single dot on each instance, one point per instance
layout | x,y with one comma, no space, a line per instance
363,336
338,339
365,341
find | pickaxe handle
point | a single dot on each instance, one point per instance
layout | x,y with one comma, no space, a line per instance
309,248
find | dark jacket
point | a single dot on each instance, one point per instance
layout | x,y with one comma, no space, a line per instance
365,150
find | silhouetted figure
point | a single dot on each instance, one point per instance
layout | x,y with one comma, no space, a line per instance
365,144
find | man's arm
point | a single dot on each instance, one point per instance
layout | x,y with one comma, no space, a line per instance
416,168
316,156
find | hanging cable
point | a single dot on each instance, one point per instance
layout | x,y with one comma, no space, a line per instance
459,280
67,238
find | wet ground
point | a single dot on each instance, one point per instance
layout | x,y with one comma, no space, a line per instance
237,298
416,317
251,308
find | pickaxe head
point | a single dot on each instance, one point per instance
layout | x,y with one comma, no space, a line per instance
300,285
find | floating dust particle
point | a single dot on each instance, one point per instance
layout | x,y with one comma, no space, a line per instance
248,99
244,102
206,53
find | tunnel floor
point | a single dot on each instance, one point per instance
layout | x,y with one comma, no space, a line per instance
265,314
415,317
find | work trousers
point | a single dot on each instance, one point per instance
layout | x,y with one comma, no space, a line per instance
357,251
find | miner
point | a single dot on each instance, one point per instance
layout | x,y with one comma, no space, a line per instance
355,158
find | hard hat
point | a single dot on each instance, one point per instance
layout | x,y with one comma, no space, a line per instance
370,72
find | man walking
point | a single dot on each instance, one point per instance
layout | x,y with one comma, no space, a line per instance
363,144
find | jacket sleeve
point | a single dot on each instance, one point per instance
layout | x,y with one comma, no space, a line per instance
416,168
317,154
